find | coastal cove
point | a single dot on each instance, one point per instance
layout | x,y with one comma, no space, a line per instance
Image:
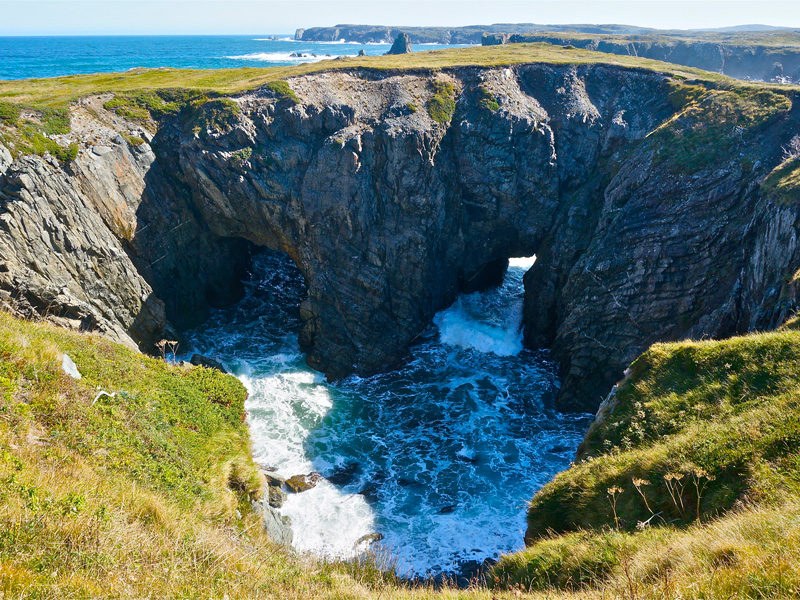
425,273
438,456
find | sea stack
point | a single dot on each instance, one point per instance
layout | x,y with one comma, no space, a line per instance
402,45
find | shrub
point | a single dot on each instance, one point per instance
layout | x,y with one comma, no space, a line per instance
220,115
281,89
239,156
442,105
487,100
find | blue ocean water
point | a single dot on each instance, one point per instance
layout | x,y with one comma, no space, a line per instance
26,57
440,455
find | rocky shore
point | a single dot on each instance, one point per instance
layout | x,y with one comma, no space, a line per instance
395,192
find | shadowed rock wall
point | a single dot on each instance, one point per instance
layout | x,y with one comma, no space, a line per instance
390,214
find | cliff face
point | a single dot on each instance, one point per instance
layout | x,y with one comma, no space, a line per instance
644,229
764,62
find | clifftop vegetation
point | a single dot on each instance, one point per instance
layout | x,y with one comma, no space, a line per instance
691,487
59,91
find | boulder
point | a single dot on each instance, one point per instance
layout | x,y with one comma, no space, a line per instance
273,479
276,497
368,539
302,483
277,527
402,45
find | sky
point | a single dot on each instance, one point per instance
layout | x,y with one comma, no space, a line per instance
126,17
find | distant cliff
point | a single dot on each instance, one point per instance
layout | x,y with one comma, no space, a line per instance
471,34
658,208
758,56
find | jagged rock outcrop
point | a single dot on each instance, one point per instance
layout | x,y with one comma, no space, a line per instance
401,45
84,243
644,229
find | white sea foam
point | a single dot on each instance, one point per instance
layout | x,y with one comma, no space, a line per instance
281,57
440,456
523,262
457,328
328,522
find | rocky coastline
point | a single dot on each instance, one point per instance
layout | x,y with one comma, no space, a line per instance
391,208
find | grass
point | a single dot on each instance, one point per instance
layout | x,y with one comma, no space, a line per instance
442,105
24,130
282,90
783,183
689,486
711,121
60,91
487,100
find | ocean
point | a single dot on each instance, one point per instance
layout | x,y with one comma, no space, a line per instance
29,57
440,455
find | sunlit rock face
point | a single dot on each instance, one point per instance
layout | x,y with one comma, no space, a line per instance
389,214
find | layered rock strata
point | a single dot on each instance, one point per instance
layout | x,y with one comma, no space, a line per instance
390,214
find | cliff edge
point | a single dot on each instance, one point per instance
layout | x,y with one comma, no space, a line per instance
640,192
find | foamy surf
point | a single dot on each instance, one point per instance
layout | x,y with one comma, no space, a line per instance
282,57
439,456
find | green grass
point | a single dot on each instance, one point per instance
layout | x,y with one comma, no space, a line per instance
729,409
242,155
282,90
59,91
783,183
487,100
442,104
711,121
695,469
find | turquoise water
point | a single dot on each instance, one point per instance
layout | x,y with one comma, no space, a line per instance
440,455
24,57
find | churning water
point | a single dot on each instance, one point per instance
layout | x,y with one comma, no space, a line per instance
440,455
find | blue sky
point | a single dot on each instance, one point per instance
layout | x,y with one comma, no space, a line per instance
58,17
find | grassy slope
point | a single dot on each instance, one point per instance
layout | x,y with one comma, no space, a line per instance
704,447
137,495
58,91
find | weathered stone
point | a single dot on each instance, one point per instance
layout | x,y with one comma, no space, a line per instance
273,479
401,45
302,483
277,527
368,539
276,496
204,361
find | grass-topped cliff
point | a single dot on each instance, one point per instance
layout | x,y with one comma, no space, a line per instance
58,91
690,488
689,484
